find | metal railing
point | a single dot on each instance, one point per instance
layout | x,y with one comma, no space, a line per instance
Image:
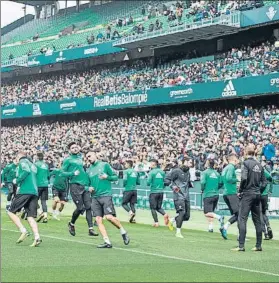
19,61
228,20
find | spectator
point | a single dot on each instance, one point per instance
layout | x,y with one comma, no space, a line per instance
269,150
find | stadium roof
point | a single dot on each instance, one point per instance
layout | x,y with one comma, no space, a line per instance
35,3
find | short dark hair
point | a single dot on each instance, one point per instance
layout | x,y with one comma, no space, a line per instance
70,144
130,162
155,161
40,155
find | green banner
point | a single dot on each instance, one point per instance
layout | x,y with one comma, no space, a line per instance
73,54
261,15
259,85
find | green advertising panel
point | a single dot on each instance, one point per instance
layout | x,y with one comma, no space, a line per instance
73,54
259,85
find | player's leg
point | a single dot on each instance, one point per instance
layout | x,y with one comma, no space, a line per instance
153,206
110,214
10,195
125,201
76,193
232,202
181,211
31,209
133,201
244,210
43,196
17,204
256,217
55,203
209,211
87,202
160,198
265,221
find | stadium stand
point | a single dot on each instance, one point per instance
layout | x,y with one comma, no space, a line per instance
239,62
143,15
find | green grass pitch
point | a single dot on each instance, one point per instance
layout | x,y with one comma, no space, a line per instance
154,254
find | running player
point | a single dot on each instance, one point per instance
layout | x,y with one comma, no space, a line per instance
229,180
42,183
7,177
210,184
179,180
156,182
26,197
100,177
268,234
130,181
73,169
59,190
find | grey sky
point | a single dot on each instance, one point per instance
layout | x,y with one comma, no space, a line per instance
11,11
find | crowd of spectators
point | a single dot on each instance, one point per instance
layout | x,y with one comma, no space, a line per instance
259,60
166,135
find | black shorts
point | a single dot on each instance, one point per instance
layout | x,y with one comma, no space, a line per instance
130,197
11,188
232,201
62,195
43,193
80,196
184,206
264,203
103,206
210,204
156,200
28,202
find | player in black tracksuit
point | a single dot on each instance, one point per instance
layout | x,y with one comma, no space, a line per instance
179,180
252,184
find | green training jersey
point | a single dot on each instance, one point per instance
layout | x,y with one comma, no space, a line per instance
59,182
268,187
8,173
156,180
210,183
70,165
26,178
101,187
130,179
229,180
42,174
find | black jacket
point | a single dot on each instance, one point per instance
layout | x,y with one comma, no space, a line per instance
253,180
179,177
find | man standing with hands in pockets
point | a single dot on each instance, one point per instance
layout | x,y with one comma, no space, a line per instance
73,169
253,183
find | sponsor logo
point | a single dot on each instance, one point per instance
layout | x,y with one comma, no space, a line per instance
271,13
60,58
91,51
33,62
159,176
274,81
229,90
9,112
67,106
120,99
49,52
181,93
37,109
256,169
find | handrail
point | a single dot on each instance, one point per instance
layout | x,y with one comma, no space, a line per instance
229,20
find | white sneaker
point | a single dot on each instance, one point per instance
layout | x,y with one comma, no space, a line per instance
179,235
54,216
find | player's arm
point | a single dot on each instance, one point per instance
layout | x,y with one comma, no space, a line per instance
3,175
230,176
221,183
64,170
268,176
111,175
24,171
138,179
263,181
244,176
125,178
203,181
150,178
